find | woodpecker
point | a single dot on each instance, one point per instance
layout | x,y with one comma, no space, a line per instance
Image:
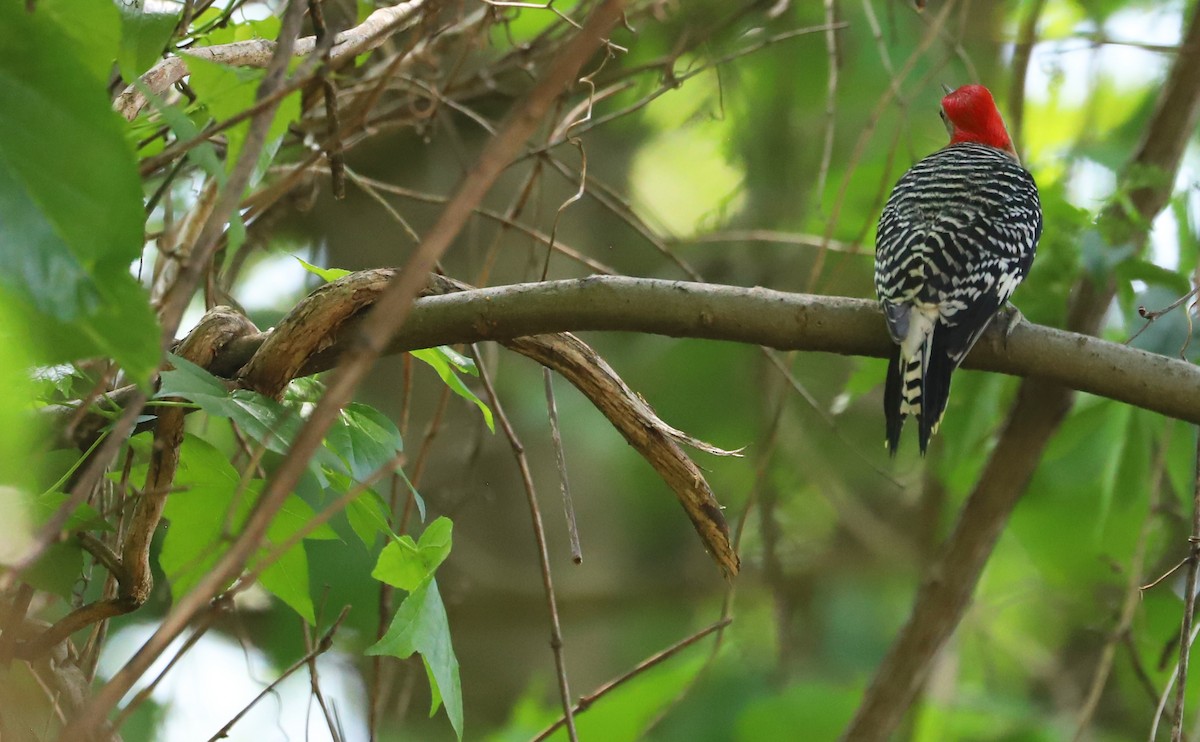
957,235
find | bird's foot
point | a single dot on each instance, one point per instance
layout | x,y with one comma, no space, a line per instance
1012,317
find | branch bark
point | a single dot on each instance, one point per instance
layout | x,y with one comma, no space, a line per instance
680,309
756,316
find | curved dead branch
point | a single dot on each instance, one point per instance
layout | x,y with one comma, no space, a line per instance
326,320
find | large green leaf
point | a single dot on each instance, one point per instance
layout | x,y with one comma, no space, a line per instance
94,28
406,564
208,510
263,419
421,626
70,200
365,439
227,91
447,362
144,36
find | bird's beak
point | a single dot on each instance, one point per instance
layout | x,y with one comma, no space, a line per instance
947,88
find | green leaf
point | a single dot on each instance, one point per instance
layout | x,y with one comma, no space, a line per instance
365,439
71,231
84,518
57,569
227,91
1137,269
421,625
406,564
261,418
368,517
94,27
461,363
203,154
144,37
328,275
445,367
210,507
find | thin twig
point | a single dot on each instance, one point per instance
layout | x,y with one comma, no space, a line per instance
539,533
560,457
1152,316
323,646
1189,607
333,147
1178,566
831,54
1022,52
496,216
656,659
1165,696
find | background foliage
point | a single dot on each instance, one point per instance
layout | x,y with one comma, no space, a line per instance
746,144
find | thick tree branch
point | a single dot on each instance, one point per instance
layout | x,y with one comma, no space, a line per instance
695,310
764,317
789,322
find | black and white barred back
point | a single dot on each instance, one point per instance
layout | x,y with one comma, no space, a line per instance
956,237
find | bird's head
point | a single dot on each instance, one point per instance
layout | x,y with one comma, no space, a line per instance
970,115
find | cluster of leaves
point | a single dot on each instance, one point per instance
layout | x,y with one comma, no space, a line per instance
71,206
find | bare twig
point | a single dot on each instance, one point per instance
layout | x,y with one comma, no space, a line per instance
333,147
656,659
833,58
322,646
1166,692
1022,51
561,458
1152,315
1189,607
539,533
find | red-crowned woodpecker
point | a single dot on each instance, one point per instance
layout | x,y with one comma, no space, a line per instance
956,237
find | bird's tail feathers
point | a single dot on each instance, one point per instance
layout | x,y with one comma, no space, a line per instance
935,391
902,394
893,404
917,385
